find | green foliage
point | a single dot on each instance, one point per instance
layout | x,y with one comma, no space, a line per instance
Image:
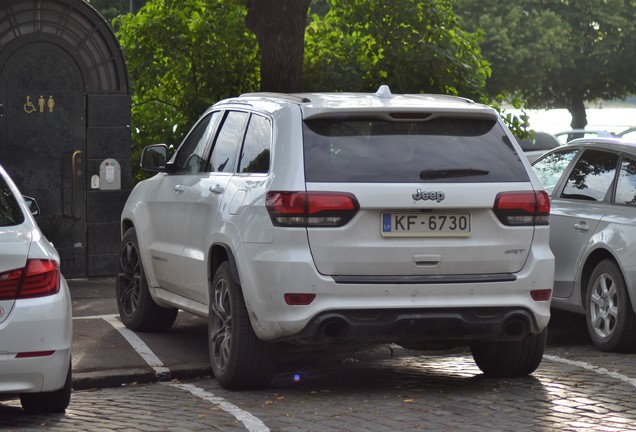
519,125
183,55
319,7
414,46
557,53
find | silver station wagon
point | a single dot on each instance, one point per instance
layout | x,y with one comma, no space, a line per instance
592,184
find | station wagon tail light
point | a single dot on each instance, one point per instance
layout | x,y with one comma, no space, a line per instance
522,208
31,354
38,279
311,209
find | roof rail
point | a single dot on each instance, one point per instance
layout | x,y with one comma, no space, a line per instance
274,95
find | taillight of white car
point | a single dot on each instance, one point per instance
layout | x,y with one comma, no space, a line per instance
311,209
39,278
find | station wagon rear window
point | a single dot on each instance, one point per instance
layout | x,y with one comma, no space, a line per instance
438,150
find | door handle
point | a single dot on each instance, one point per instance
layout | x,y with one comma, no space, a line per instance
77,199
581,226
179,188
218,189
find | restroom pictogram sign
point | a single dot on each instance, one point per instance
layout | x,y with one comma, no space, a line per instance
44,105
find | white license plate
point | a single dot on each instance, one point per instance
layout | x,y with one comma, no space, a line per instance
426,224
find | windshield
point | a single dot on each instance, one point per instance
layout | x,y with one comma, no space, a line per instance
449,150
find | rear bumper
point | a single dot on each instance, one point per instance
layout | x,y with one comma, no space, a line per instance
461,326
457,307
36,325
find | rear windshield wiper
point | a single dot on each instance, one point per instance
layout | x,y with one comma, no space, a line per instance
429,174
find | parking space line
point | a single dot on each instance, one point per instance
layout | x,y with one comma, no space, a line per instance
591,367
253,424
161,372
104,317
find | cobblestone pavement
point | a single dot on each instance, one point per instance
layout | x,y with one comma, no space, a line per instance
576,388
381,388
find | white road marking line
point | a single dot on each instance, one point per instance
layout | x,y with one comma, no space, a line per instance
253,424
161,372
104,317
591,367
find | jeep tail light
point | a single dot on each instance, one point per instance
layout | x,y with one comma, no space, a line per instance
541,295
311,209
294,299
522,208
38,279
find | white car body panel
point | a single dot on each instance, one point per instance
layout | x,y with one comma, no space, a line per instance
274,319
359,248
34,324
271,261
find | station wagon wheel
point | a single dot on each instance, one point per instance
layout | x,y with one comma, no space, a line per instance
611,321
137,309
240,360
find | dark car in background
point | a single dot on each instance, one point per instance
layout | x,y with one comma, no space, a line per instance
537,144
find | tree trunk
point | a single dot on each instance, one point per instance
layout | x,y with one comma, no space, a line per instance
579,117
279,26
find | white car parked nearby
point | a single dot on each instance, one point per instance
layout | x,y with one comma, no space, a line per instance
314,219
35,309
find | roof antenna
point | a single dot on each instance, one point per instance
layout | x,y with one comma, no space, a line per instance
384,91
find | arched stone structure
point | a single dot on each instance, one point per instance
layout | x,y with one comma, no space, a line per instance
65,125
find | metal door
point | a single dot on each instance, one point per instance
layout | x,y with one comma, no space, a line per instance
43,143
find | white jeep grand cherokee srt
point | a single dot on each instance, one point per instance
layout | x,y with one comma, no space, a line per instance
309,219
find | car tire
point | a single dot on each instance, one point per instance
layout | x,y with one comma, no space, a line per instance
510,358
240,360
49,402
611,321
137,310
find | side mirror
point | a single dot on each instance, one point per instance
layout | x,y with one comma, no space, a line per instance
32,204
154,158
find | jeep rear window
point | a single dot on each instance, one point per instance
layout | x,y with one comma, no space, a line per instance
439,150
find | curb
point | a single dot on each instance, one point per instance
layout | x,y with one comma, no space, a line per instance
123,377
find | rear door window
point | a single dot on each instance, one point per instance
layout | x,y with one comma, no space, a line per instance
449,150
591,176
626,184
228,141
255,153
